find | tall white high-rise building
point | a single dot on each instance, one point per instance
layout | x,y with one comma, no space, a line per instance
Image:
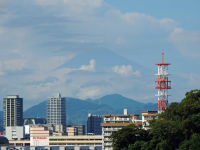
56,113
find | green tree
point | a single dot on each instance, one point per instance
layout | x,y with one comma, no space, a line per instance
177,128
128,135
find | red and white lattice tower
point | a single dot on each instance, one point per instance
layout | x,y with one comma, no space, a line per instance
162,85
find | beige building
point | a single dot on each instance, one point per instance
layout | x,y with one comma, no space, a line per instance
83,140
39,136
72,131
19,142
114,123
146,117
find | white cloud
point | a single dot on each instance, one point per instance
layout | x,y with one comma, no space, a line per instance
85,40
120,40
90,92
14,65
1,30
125,70
73,8
47,2
53,62
1,3
140,19
79,3
61,27
2,73
85,3
187,42
191,80
90,67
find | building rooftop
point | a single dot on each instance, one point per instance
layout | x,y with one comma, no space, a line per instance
150,114
120,115
119,124
149,111
12,96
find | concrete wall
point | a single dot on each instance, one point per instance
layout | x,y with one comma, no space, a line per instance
15,132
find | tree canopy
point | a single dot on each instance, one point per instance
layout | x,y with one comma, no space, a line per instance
177,128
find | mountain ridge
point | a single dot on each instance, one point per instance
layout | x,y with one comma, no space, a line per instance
77,110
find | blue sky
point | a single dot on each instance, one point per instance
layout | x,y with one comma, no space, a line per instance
183,11
90,48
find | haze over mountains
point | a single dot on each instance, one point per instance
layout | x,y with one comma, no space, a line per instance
77,110
88,49
88,74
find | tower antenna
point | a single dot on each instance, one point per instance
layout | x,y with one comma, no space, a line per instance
162,85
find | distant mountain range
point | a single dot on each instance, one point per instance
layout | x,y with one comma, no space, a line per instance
77,110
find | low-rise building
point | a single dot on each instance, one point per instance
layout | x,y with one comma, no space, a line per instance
15,132
30,122
76,130
115,123
84,140
39,136
72,131
80,129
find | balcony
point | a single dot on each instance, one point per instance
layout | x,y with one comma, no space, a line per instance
107,144
107,134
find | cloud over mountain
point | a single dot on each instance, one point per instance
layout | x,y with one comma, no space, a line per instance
88,48
90,67
187,42
125,70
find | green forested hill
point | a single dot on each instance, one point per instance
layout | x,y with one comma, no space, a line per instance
177,128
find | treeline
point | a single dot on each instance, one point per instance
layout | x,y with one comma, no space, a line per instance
177,128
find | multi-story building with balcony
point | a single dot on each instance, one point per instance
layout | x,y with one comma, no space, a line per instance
56,113
115,123
13,117
12,111
146,117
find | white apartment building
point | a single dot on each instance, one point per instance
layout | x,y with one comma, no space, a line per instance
114,123
146,117
56,113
